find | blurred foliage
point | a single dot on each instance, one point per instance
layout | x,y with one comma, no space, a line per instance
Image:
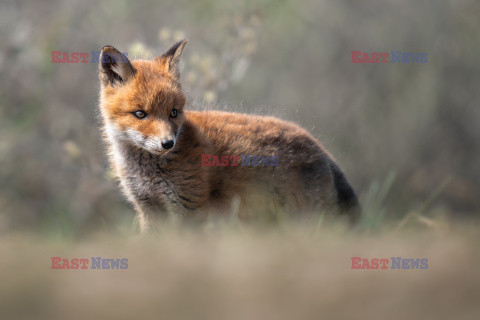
282,57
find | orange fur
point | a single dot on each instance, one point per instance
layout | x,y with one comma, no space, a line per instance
159,180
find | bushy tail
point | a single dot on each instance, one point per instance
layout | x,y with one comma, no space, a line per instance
347,200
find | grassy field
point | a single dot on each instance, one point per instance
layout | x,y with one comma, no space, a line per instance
232,270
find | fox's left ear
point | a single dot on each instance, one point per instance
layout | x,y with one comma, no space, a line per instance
114,68
172,57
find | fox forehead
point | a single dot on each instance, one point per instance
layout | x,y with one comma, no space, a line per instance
154,86
152,90
152,70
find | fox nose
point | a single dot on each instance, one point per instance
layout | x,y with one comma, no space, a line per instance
168,144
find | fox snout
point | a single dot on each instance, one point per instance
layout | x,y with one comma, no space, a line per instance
156,145
168,144
152,143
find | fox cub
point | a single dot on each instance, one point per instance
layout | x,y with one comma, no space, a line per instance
165,156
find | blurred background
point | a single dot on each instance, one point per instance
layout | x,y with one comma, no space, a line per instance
405,134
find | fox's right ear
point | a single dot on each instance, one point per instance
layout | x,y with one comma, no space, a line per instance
114,67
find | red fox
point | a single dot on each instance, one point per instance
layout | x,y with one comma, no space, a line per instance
156,147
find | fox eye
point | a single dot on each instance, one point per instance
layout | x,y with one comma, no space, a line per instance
173,114
139,114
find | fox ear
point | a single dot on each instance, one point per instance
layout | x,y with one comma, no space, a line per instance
114,67
172,57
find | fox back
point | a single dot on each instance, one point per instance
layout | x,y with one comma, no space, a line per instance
171,161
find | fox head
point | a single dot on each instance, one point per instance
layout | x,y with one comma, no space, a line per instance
141,101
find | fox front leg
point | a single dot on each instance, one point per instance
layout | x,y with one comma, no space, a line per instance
150,218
